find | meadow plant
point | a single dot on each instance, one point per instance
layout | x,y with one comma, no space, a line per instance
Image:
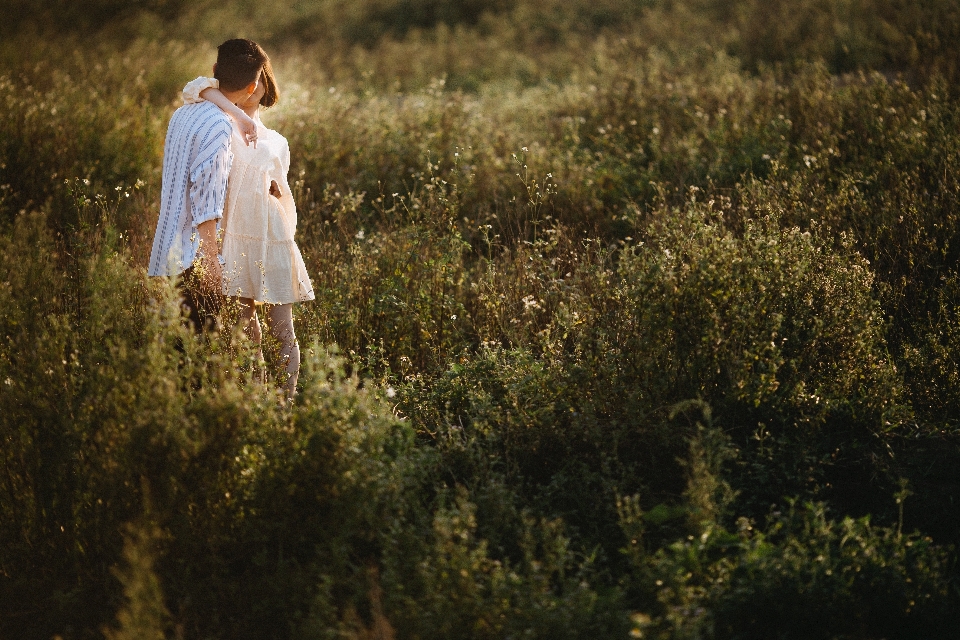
628,313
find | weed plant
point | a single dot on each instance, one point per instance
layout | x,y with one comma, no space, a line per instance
631,319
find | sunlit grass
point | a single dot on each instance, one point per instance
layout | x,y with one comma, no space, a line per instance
628,316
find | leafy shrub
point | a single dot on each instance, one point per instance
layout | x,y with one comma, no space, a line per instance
110,406
781,336
459,589
804,576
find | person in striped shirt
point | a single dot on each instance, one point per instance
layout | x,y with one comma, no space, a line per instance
196,163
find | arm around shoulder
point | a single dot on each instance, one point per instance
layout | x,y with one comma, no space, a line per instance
192,91
208,89
246,124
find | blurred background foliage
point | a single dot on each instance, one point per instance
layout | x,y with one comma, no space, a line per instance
633,319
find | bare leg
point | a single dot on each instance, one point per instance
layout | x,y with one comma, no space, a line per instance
280,320
251,326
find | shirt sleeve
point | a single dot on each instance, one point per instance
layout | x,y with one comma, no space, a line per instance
191,92
208,176
285,157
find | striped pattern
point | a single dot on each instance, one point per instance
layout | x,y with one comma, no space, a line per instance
196,164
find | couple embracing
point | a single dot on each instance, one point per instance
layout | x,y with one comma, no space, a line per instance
227,217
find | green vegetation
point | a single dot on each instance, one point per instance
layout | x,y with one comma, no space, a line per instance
632,318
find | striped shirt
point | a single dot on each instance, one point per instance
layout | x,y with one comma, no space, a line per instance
196,163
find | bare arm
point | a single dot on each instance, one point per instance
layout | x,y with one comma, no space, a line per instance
211,264
246,124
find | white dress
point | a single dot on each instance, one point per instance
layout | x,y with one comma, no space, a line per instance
259,256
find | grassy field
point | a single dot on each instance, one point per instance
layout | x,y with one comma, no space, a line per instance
633,319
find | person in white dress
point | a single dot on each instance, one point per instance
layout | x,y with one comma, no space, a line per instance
261,261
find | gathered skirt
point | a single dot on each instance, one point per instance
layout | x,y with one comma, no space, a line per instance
260,258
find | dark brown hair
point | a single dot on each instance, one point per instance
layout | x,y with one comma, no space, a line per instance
271,94
239,63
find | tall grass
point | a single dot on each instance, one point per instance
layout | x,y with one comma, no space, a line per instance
630,317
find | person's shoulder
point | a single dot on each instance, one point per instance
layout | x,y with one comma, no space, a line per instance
215,118
196,109
273,135
203,116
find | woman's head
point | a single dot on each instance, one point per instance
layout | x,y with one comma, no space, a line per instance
271,94
240,62
265,95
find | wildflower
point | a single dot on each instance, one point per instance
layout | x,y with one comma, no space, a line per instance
530,302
